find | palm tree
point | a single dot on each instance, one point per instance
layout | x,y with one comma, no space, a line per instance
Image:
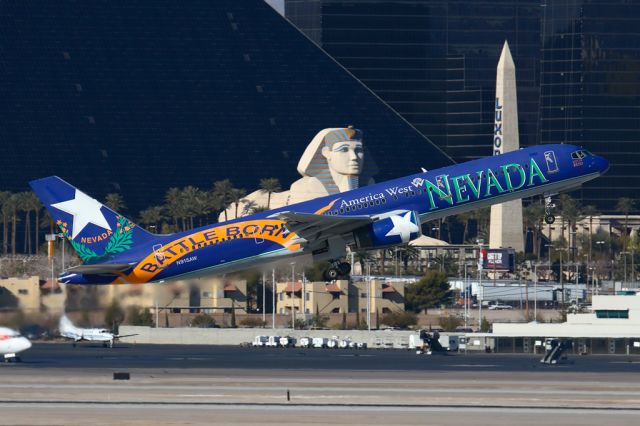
115,202
625,206
571,211
222,189
532,215
191,198
13,204
174,205
483,217
215,203
465,218
269,186
5,196
237,194
30,202
152,216
590,211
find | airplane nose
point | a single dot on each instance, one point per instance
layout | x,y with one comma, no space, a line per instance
23,344
602,165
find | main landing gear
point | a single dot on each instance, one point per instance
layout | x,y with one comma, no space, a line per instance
337,270
549,218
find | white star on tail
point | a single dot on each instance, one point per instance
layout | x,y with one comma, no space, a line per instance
403,226
85,210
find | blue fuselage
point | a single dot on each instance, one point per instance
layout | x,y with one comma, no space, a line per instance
247,241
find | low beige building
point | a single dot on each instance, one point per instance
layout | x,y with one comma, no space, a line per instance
30,294
385,297
339,297
211,295
313,297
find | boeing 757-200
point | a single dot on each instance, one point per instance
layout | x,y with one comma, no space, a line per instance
114,250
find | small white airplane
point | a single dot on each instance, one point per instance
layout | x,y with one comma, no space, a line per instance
70,331
11,344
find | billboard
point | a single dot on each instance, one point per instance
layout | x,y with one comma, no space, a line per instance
502,260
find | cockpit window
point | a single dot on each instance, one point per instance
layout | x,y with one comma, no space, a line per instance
579,155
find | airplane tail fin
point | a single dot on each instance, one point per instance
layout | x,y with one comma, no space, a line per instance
65,324
97,233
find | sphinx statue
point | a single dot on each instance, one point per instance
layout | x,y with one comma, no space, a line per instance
335,161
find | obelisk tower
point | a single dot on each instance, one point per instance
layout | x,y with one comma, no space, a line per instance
506,218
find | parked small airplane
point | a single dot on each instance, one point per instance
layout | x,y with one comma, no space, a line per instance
77,334
11,344
116,251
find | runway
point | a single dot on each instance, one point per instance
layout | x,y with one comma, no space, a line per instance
58,384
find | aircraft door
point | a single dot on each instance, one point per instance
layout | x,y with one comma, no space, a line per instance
158,255
552,162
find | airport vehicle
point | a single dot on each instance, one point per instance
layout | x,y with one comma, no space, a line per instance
11,344
287,342
114,250
426,343
319,342
305,342
273,342
449,343
260,341
499,307
77,334
555,350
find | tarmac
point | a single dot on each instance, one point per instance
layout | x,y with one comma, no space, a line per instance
61,385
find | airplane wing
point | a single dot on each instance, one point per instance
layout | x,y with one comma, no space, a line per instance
120,336
104,268
315,227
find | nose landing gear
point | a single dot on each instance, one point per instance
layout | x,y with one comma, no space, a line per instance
549,218
337,270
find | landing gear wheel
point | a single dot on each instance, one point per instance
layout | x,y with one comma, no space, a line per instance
331,274
549,218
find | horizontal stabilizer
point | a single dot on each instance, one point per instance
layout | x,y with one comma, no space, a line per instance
104,268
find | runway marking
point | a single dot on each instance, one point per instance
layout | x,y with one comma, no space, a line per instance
339,406
318,389
472,365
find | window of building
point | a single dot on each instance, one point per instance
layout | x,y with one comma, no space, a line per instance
23,291
612,313
335,311
206,294
335,295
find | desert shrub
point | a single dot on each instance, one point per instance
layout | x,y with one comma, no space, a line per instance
202,321
450,323
400,319
139,316
252,322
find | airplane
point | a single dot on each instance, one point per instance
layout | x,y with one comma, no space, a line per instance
77,334
116,251
11,344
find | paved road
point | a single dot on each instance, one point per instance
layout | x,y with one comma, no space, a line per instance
225,357
61,385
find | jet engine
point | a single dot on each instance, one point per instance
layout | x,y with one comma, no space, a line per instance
395,228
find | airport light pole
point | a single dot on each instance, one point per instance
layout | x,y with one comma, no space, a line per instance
273,298
624,254
600,244
535,291
369,296
480,292
264,294
293,293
